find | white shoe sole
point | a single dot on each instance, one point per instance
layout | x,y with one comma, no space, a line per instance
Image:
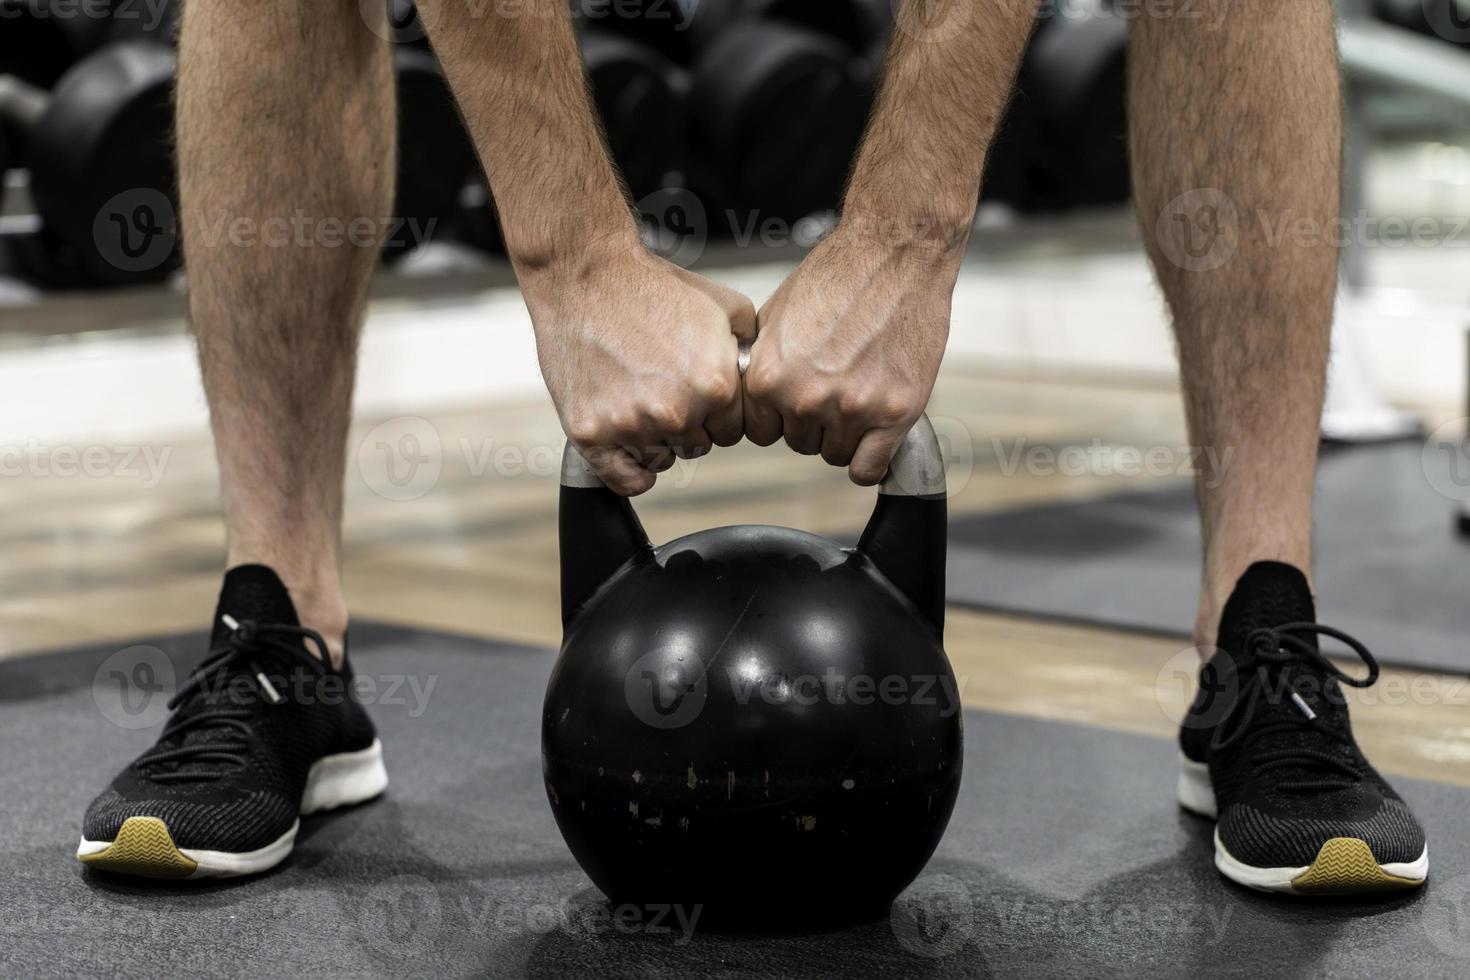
144,846
1344,865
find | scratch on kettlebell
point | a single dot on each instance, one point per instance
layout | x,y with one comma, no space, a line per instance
731,632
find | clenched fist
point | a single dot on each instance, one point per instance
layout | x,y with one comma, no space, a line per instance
847,352
640,358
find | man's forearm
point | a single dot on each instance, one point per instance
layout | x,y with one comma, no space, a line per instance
948,76
516,73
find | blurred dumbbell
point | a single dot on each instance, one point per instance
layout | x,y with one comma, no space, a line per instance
1445,19
476,222
1074,76
776,115
98,149
153,20
633,88
663,25
1015,171
41,39
775,107
862,25
435,154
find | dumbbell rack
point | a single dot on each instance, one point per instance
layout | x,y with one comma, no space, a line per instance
1382,58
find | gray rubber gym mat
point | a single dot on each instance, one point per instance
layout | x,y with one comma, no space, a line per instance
1390,570
1066,857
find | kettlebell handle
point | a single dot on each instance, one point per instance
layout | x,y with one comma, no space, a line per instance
917,469
905,538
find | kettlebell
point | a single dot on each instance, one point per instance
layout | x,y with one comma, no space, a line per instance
754,722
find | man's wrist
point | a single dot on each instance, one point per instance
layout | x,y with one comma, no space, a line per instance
555,252
938,232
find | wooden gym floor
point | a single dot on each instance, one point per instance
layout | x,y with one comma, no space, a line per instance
105,559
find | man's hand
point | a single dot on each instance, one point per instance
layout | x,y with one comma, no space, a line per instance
850,344
848,350
640,358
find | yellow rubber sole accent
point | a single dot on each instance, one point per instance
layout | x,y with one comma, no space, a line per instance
144,847
1345,865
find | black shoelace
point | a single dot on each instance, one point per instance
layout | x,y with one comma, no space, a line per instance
1269,654
242,652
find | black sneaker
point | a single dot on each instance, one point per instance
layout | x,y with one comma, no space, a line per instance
1268,751
261,733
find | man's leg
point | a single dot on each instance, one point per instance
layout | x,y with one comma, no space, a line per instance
1243,116
285,125
1236,139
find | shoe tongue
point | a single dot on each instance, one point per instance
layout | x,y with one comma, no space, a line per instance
252,592
1268,595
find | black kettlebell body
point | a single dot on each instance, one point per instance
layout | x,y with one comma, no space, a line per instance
754,720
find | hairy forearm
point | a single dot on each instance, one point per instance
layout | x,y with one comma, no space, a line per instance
515,70
946,83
